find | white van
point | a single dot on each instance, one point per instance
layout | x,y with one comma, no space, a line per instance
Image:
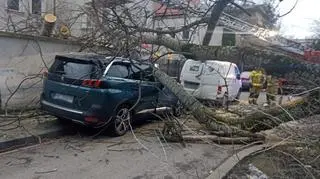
212,80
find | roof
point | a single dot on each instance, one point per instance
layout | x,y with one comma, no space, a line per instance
219,62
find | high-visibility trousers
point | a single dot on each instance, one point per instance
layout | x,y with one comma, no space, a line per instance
254,94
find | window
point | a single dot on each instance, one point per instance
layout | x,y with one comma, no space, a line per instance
36,6
185,34
13,4
159,29
119,70
104,17
75,70
228,38
172,34
237,71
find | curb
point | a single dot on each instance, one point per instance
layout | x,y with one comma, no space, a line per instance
53,131
223,169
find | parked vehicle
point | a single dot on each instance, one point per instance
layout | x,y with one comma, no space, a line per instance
212,80
95,90
245,80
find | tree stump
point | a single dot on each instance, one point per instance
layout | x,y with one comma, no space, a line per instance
48,25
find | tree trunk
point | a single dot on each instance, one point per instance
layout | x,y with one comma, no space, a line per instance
48,25
214,17
229,53
201,113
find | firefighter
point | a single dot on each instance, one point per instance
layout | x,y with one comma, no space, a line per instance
257,81
273,88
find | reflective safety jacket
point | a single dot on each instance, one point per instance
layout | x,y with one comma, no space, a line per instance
256,78
273,85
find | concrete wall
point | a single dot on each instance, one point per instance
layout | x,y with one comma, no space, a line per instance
20,59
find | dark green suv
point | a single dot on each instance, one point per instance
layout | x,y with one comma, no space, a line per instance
95,90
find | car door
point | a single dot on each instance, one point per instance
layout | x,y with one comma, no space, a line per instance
123,87
166,98
149,87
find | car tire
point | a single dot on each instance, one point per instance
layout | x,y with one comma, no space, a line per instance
238,94
225,101
121,120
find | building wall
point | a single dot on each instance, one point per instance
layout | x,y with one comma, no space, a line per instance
22,20
195,35
20,59
15,20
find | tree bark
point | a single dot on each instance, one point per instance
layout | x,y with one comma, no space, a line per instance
49,21
229,53
215,15
218,140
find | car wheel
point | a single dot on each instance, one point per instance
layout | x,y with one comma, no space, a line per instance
225,100
122,121
178,109
238,94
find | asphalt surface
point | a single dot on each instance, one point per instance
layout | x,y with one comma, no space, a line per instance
81,156
138,156
262,97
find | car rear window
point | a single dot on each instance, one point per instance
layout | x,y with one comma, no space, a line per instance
245,74
76,69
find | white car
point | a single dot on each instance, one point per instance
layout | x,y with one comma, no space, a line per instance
212,80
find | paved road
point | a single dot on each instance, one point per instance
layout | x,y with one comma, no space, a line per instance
80,156
262,97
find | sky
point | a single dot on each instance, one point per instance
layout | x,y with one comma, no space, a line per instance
298,23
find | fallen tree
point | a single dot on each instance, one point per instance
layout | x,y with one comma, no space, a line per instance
217,121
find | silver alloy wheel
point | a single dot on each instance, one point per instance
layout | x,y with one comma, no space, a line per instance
122,121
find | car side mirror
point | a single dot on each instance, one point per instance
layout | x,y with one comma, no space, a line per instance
238,77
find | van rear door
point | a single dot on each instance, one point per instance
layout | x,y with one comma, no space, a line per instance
212,80
190,75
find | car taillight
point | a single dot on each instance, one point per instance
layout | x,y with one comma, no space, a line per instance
91,83
219,89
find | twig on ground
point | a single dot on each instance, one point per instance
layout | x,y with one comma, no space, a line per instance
47,171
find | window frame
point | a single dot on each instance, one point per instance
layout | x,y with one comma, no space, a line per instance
32,7
118,63
62,62
130,65
186,34
9,3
